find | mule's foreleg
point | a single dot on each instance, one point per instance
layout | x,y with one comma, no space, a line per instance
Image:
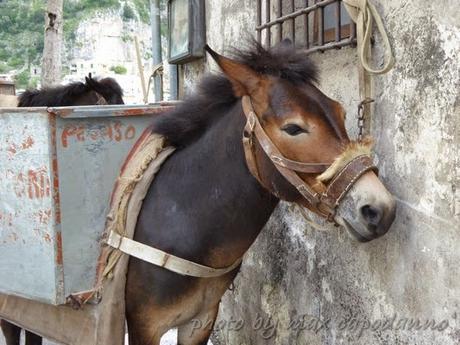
11,332
198,330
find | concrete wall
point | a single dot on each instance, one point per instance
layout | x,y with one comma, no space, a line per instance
342,290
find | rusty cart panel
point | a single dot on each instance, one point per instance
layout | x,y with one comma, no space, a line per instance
57,170
28,240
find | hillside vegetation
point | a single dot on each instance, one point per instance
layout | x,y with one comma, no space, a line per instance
22,29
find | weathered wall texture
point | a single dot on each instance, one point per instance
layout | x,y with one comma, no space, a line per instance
334,283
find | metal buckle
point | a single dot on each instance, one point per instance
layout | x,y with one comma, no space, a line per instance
277,160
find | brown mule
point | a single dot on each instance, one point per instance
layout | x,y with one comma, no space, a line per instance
207,207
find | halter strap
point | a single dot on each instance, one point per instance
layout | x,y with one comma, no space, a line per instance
325,203
254,128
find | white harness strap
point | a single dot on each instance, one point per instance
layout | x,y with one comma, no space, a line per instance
160,258
135,179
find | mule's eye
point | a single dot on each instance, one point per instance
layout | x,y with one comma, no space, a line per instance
292,129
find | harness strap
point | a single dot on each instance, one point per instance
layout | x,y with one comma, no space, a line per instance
309,168
100,99
168,261
253,128
344,180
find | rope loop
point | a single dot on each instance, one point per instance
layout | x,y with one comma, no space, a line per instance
363,13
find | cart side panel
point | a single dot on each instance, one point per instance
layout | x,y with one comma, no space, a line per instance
27,225
90,152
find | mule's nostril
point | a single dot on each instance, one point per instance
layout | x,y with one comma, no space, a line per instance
371,214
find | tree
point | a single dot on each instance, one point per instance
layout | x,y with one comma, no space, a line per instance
51,67
22,79
119,69
128,13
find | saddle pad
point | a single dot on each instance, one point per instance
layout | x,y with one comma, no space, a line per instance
136,176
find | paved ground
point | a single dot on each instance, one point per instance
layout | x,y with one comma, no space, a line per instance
168,339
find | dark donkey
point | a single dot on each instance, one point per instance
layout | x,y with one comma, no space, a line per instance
102,92
206,206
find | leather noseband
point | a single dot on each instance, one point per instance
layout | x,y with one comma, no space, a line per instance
325,204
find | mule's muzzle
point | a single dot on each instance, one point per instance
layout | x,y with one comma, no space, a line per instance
375,219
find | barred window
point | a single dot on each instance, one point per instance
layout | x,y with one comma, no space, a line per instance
317,25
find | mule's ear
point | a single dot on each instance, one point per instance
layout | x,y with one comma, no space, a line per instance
93,83
245,80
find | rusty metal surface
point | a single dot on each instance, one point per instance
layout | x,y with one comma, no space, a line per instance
27,231
57,170
109,110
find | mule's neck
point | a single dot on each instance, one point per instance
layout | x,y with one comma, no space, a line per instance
245,206
205,205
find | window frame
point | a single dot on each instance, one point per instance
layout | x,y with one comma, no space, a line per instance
316,38
196,33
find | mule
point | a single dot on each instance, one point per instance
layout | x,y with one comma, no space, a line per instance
102,92
206,206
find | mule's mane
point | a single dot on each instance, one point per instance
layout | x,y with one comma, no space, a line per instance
282,61
214,94
111,85
66,95
54,96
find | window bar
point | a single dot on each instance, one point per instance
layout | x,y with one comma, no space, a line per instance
337,22
331,45
307,29
296,14
352,31
259,20
280,14
268,27
321,26
293,21
305,25
317,8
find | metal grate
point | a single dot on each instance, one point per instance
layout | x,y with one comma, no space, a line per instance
318,25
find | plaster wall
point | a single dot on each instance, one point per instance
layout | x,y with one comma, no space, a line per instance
346,292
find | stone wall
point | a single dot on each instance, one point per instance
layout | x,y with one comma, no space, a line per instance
346,292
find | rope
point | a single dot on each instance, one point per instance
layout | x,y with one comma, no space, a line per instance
363,13
126,184
311,222
157,71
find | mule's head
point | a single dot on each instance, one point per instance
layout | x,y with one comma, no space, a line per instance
306,126
107,88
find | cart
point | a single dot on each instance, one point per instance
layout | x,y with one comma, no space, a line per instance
58,167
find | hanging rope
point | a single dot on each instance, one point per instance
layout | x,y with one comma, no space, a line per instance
364,13
157,71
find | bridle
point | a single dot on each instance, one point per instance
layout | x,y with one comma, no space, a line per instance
100,99
324,203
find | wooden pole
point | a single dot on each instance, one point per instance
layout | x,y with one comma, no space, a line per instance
140,67
51,66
